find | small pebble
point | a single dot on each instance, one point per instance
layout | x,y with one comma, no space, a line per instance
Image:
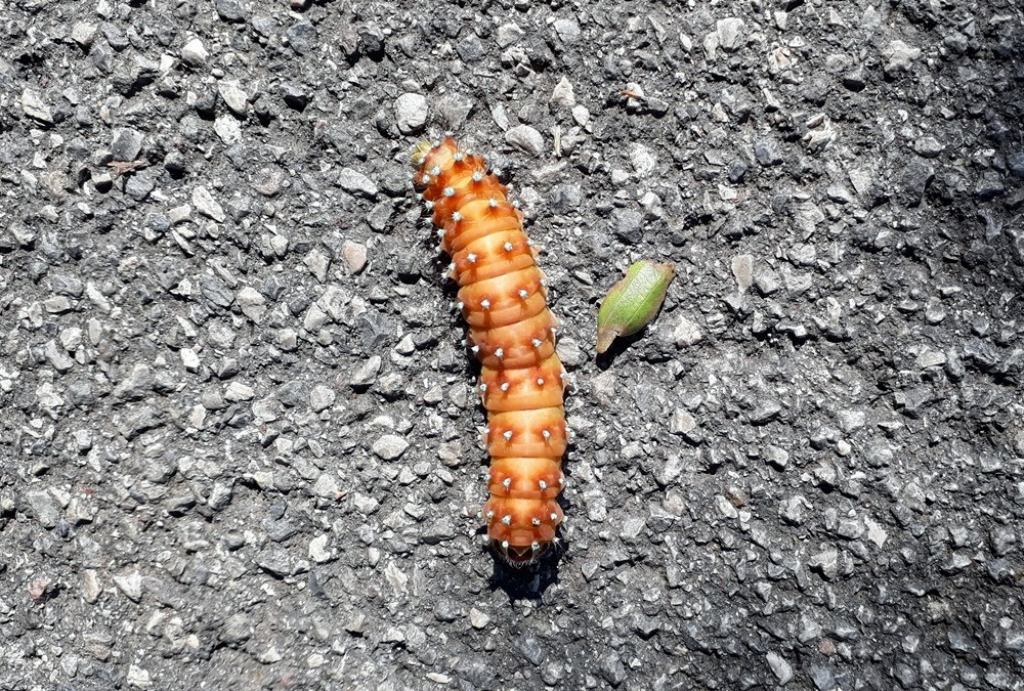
526,139
410,112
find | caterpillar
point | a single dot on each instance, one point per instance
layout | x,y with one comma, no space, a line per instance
503,299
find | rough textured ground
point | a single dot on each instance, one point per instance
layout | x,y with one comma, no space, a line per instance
238,442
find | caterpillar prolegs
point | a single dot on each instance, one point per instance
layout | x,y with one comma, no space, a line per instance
512,333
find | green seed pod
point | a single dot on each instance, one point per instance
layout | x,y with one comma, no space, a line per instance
633,302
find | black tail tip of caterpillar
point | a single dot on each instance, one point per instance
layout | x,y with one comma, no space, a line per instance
520,557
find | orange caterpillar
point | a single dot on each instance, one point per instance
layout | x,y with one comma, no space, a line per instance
512,332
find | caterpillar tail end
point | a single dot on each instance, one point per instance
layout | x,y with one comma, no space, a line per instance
519,557
419,153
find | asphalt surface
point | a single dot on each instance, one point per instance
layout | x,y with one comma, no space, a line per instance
239,444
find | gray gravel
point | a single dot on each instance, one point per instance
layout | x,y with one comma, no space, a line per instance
239,445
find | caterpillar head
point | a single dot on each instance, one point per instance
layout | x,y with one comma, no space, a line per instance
419,153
